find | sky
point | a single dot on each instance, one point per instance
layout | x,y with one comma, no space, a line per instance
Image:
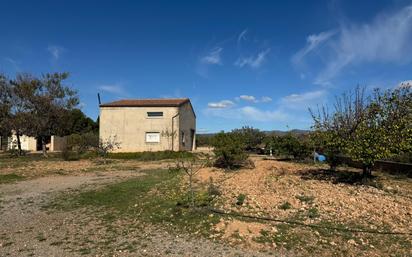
242,63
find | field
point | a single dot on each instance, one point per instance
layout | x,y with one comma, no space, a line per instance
133,207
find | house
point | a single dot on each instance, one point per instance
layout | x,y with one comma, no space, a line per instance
32,144
149,124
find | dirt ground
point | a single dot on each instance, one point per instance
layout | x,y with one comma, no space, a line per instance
27,229
280,190
312,197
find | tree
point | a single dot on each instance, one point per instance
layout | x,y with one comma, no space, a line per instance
51,102
106,146
250,136
366,129
23,88
386,130
5,106
79,123
228,149
191,167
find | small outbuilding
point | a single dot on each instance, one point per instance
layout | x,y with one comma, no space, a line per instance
149,124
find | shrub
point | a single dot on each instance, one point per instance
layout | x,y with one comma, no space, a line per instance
285,206
228,149
240,199
78,144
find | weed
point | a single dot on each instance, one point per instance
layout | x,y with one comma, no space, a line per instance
305,198
313,213
240,199
285,206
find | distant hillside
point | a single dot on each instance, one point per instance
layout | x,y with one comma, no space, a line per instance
272,132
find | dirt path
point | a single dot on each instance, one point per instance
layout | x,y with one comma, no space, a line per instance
28,230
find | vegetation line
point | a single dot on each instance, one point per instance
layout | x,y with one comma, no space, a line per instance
369,231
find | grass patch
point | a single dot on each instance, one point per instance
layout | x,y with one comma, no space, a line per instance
10,178
154,198
144,156
240,199
305,198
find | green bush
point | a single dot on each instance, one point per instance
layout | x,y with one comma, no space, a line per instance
240,199
79,144
228,149
289,145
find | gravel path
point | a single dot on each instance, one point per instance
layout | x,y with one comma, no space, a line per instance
28,230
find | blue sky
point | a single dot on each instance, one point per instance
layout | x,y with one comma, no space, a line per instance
256,63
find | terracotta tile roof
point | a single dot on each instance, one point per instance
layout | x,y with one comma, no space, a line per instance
160,102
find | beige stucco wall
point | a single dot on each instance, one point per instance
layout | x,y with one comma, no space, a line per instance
27,143
130,124
57,143
187,124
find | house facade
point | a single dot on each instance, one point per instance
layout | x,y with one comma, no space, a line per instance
32,144
149,124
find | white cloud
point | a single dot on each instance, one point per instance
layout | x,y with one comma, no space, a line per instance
249,98
213,57
113,89
55,51
386,39
221,105
252,61
304,101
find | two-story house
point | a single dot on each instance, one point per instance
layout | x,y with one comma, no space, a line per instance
149,124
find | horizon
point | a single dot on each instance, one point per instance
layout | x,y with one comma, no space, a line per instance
240,64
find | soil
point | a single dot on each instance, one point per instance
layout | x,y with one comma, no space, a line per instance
27,229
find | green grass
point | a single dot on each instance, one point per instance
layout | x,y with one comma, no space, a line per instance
10,178
154,198
144,156
305,198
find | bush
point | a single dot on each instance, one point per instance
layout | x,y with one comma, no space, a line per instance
228,149
240,199
78,144
289,145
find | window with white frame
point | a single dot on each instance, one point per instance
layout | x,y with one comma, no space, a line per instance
152,137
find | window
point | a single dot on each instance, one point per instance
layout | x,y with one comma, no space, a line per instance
183,138
154,114
152,137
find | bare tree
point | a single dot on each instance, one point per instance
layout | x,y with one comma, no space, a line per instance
106,146
169,135
191,167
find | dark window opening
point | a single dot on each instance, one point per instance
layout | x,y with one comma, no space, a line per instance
154,114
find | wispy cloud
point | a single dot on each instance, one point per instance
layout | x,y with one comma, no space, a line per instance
55,51
213,57
252,61
253,99
303,101
386,39
247,113
14,64
266,99
312,42
116,89
224,104
242,36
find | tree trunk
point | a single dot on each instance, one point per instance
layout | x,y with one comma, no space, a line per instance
192,195
18,143
367,171
43,146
